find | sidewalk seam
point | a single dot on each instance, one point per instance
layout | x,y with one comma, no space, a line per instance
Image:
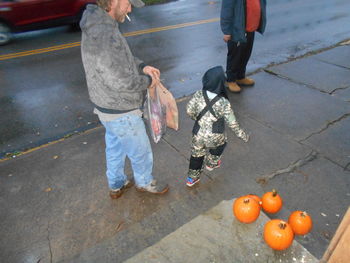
179,152
48,231
345,168
49,241
330,63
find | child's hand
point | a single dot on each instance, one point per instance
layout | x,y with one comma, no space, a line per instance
245,137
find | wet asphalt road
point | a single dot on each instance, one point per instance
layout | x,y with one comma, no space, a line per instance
43,97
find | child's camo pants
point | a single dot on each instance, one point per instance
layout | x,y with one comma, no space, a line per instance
199,147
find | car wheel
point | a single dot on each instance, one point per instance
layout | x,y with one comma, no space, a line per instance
5,34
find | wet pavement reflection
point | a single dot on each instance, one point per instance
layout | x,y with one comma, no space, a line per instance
44,97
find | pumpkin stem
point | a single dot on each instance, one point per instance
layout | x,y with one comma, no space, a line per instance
303,214
246,201
274,192
282,225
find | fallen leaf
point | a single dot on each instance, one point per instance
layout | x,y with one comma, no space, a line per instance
55,157
49,189
119,226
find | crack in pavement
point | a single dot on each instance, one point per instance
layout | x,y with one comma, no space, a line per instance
291,168
295,81
341,88
346,168
327,126
269,71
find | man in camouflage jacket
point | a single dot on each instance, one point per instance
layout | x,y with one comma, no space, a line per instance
208,131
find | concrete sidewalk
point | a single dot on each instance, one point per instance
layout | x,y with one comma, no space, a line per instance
54,201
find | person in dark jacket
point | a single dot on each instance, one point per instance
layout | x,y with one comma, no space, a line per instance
210,109
117,82
239,20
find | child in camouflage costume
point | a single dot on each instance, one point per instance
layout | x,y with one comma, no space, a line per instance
210,109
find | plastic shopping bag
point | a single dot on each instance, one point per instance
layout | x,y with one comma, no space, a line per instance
155,115
167,100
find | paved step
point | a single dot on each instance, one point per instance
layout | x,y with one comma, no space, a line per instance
216,236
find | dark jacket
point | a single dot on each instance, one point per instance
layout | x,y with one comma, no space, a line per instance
114,76
233,19
214,81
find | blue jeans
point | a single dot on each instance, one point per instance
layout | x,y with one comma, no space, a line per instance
126,136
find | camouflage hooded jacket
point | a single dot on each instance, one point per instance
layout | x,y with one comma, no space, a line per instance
222,109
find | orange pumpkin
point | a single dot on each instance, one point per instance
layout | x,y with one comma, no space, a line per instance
246,209
272,202
278,234
256,198
300,222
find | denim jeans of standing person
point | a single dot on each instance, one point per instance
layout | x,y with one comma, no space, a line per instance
126,136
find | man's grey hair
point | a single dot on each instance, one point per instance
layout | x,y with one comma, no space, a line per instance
104,4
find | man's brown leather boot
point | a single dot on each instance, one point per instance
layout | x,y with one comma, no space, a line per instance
233,87
245,82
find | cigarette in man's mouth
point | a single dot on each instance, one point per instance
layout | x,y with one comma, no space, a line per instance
128,17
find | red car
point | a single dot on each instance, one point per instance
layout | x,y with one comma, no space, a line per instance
26,15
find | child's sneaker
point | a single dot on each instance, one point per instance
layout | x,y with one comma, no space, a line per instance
191,182
211,168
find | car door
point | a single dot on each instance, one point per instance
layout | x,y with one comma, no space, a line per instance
63,8
26,12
